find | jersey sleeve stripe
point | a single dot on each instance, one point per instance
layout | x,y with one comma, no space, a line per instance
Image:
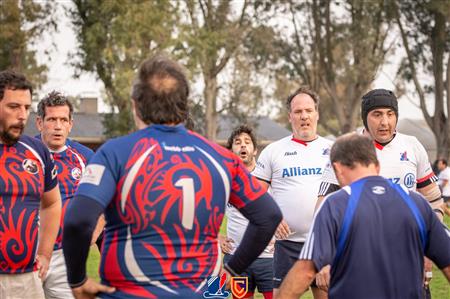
429,176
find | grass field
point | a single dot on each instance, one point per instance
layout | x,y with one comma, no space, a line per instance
440,288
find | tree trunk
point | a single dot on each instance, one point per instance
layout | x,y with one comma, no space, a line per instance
210,94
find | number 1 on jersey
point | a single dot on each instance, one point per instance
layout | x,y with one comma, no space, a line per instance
188,209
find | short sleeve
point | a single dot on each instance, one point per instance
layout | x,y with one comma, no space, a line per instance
263,169
438,245
424,170
51,178
320,247
98,181
245,188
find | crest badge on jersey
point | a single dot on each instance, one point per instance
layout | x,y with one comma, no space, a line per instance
325,151
76,173
216,287
239,286
30,166
404,156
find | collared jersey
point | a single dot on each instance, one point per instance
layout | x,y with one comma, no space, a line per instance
374,235
27,171
71,163
404,161
164,190
294,171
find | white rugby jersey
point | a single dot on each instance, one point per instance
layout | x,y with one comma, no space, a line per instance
403,160
236,226
294,170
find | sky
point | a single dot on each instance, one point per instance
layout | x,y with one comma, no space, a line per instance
60,74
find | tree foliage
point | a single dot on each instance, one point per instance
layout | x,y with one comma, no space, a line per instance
22,24
114,38
425,30
212,36
336,48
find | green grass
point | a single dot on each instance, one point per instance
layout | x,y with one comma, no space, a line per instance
440,288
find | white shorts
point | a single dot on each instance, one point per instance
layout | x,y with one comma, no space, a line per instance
20,286
55,284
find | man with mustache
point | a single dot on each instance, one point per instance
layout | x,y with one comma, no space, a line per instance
243,143
30,204
293,168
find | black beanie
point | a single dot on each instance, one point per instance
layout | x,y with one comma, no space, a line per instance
378,98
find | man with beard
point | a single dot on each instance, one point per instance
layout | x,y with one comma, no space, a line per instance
243,143
30,204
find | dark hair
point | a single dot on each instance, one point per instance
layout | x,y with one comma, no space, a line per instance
443,161
161,91
53,99
12,80
378,98
238,131
353,148
304,90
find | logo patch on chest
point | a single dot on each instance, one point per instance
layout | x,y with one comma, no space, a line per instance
30,166
76,173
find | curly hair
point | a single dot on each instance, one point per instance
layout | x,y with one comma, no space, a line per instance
53,99
11,80
238,131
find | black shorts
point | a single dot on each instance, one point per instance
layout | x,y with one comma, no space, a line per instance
285,255
259,274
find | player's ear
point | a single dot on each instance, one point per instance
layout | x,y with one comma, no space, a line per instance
39,123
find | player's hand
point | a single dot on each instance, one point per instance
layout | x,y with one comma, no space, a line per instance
271,246
428,268
90,289
283,231
42,263
226,244
323,278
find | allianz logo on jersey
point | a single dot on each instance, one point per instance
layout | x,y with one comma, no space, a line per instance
409,180
298,171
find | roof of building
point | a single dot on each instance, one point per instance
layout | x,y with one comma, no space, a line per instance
89,128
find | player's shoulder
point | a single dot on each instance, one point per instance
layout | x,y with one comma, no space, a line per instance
33,142
209,146
324,141
282,143
80,148
407,139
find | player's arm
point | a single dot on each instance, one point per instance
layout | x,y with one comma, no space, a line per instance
264,215
79,224
50,214
446,272
265,184
297,280
430,190
325,189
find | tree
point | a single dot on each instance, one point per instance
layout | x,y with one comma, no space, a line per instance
23,23
336,48
114,38
425,29
211,37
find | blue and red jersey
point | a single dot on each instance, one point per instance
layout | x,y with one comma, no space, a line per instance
164,190
27,171
70,163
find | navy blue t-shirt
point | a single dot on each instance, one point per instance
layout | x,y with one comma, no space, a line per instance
374,235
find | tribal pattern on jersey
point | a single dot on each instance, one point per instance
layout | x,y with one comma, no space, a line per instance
23,180
70,165
166,211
